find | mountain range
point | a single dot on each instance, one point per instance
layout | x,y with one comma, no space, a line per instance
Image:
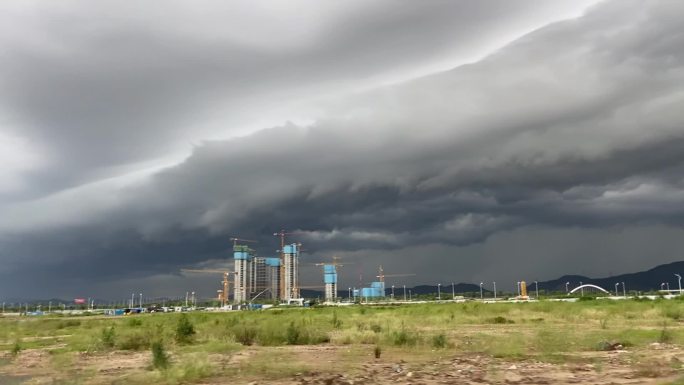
649,280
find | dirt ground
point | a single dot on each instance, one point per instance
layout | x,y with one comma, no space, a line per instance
335,365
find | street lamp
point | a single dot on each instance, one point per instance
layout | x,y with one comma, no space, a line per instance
616,288
392,292
662,284
679,279
140,300
567,290
581,289
453,291
481,296
624,290
518,287
410,295
494,289
404,293
349,295
439,292
536,288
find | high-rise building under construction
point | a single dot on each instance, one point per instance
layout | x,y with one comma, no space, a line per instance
290,274
330,281
243,273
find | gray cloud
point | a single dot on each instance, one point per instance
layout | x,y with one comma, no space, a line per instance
569,137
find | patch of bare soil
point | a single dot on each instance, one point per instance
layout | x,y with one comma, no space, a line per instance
615,367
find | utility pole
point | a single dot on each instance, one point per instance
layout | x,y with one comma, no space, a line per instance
481,294
439,292
679,279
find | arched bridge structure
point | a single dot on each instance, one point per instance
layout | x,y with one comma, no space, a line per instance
589,286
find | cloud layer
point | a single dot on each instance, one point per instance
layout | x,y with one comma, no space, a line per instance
571,133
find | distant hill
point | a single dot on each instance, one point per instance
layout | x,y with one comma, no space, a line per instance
649,280
641,281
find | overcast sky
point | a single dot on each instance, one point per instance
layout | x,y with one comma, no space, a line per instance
462,141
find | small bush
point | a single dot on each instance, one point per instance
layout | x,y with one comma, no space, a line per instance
185,330
16,348
673,313
68,323
292,334
403,338
665,335
377,351
246,336
160,360
376,328
336,322
108,337
133,341
439,341
501,320
134,322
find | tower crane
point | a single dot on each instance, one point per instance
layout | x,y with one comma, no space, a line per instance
382,274
236,239
223,296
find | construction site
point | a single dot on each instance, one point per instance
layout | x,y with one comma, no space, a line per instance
277,279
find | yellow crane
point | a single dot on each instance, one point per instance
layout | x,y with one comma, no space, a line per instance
223,294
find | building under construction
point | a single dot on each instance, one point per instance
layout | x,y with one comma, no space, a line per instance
265,278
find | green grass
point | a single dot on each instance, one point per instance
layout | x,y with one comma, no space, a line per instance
547,331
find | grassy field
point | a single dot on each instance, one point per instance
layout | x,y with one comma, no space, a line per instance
635,339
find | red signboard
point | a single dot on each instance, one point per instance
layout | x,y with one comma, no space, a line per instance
79,300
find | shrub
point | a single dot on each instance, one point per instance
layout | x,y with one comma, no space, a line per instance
673,313
16,348
68,323
108,337
439,341
336,322
245,336
377,351
135,341
402,338
292,334
160,360
185,330
134,322
665,335
501,320
376,328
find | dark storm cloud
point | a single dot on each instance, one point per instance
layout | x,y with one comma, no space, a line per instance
103,87
571,136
